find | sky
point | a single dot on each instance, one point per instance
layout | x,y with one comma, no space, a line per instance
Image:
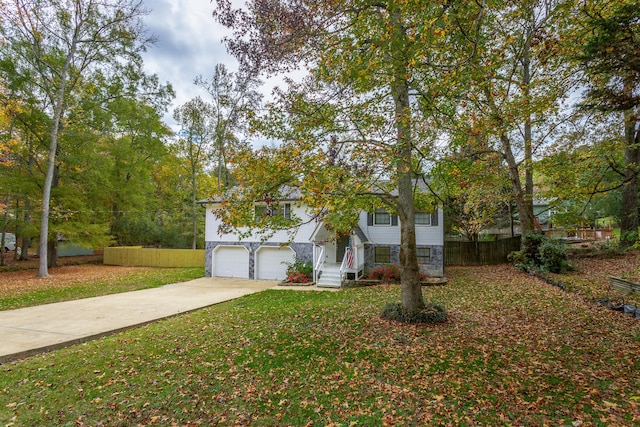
189,44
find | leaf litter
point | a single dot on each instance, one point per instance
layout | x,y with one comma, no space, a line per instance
514,351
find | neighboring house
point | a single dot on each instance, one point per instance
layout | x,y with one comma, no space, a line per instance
375,241
9,242
542,213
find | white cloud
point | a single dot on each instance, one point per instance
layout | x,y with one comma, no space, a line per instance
189,44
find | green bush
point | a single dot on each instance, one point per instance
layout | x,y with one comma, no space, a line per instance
516,257
531,248
542,254
300,271
431,313
553,257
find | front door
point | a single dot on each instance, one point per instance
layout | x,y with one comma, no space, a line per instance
341,247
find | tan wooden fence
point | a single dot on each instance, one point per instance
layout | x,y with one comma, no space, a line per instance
136,256
479,253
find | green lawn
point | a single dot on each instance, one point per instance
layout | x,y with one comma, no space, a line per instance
145,279
515,351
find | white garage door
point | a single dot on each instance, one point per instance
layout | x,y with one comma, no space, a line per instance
271,262
231,261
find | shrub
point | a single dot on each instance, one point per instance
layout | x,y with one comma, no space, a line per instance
516,257
531,248
431,313
541,253
553,257
300,271
389,273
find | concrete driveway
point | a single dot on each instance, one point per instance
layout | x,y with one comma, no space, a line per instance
32,330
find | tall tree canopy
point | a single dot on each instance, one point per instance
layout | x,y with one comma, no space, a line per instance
611,60
234,100
354,132
57,45
194,145
518,84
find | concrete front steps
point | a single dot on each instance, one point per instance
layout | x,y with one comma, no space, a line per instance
330,277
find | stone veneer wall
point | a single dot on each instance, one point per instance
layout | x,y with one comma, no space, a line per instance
434,269
303,251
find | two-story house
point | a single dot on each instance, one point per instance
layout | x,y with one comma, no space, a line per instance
374,241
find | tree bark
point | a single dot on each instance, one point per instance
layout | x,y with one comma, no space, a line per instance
194,212
411,289
4,230
528,132
629,205
524,209
52,253
58,111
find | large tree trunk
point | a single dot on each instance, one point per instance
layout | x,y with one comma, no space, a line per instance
58,110
629,205
525,210
52,253
411,293
528,131
523,206
46,201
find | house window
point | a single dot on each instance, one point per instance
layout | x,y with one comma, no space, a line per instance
263,211
424,255
382,255
423,218
381,217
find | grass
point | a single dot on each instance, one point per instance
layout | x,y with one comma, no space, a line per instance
150,278
514,351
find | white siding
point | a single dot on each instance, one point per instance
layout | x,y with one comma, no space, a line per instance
390,234
380,234
302,234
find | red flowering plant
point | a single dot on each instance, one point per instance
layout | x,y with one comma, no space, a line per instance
300,272
388,273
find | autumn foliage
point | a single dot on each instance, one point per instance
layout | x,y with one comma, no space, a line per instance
513,351
290,358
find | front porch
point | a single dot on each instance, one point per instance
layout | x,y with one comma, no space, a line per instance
336,257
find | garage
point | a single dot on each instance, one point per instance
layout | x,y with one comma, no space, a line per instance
272,262
231,261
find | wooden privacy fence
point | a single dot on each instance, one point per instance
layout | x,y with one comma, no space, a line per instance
480,253
145,257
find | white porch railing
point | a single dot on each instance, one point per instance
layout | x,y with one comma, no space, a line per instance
318,263
353,266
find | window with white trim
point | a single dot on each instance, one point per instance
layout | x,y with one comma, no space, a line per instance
263,211
423,218
382,255
381,217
